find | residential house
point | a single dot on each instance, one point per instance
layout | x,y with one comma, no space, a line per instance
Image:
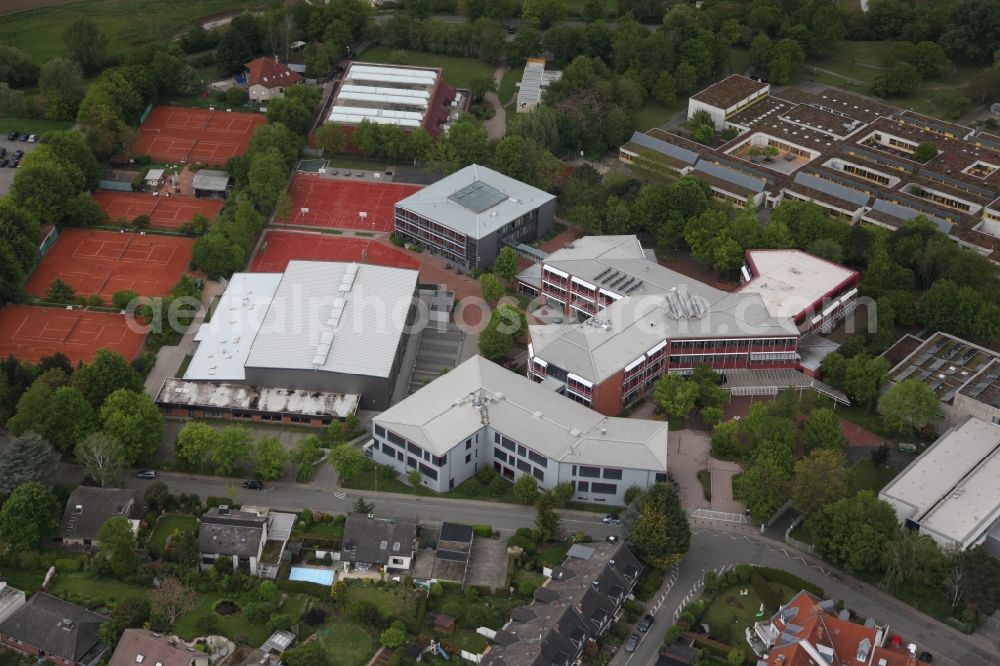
267,79
89,508
238,535
379,542
56,631
142,646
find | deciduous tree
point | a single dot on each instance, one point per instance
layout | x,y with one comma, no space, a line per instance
269,456
546,518
86,44
172,599
107,373
526,488
822,430
118,546
30,515
819,480
853,532
908,406
233,445
676,396
347,460
134,419
657,527
102,457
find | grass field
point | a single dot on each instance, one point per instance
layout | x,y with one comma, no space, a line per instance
165,526
507,91
188,626
346,644
729,613
38,32
459,72
32,125
866,476
653,114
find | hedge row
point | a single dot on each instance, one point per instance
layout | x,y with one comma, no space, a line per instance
791,580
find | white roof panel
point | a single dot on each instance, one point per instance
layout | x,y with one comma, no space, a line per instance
790,281
381,98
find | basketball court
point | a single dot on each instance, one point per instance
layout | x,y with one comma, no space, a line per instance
280,247
30,332
164,212
103,262
344,204
174,134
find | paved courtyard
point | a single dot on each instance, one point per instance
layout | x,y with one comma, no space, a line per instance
689,452
488,562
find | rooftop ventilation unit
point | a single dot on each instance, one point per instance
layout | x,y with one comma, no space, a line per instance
682,305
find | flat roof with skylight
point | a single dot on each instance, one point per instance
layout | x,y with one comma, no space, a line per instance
945,363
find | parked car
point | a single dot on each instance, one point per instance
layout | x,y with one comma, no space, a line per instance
511,29
146,474
611,519
253,484
926,657
632,643
18,153
14,162
3,162
23,138
645,623
12,136
33,138
3,152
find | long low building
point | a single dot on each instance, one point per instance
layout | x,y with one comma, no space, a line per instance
481,415
336,328
636,319
951,492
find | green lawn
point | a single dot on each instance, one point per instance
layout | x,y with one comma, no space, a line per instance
866,476
345,161
187,626
165,526
399,602
507,92
653,114
27,580
346,643
103,590
553,555
323,531
126,22
32,125
867,419
729,613
459,72
468,640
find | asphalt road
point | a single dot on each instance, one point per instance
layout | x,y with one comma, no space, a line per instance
711,549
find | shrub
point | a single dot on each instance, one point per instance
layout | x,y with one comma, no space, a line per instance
454,608
526,588
674,632
437,591
743,572
67,565
484,531
279,621
258,612
525,538
766,593
497,487
711,582
791,580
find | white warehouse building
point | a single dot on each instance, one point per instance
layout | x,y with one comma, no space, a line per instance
481,415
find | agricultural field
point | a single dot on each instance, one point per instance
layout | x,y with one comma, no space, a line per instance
38,30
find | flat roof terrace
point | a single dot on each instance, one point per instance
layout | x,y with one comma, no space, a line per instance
730,91
984,387
945,363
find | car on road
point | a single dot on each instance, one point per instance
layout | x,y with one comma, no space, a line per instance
146,474
612,519
926,657
12,136
645,623
632,643
253,484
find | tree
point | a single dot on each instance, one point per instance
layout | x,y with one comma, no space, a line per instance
822,430
86,44
546,518
59,414
925,151
853,531
819,480
291,113
24,458
913,558
134,419
544,13
347,460
102,458
481,85
394,637
506,263
156,497
665,90
107,373
657,527
361,506
676,396
862,378
901,79
172,599
736,657
131,612
29,516
311,653
493,343
269,456
233,445
526,488
331,138
415,478
118,546
61,85
195,445
786,62
59,291
908,406
763,487
972,31
563,493
304,455
491,287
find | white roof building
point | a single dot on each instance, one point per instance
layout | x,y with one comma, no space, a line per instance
792,281
385,94
951,491
533,82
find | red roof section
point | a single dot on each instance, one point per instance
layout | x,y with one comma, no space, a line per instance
270,73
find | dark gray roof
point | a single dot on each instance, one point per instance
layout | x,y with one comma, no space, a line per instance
89,508
664,148
456,532
477,196
375,540
955,182
730,176
904,213
213,181
236,533
854,197
58,628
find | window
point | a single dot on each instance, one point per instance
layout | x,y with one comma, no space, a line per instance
523,466
582,487
399,456
395,439
538,459
426,456
521,451
380,431
610,473
661,477
499,455
428,471
468,458
604,488
440,461
413,448
468,444
538,474
496,438
590,472
411,461
387,449
507,444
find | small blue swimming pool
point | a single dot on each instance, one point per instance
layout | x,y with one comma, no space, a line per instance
310,575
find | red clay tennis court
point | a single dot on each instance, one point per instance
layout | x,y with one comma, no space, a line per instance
280,247
164,212
29,333
103,262
173,134
336,204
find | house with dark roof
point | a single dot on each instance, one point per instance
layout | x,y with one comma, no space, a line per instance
574,606
267,79
239,535
11,599
89,508
54,630
141,646
379,542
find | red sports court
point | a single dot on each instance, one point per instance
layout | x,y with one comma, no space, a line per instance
103,262
337,204
164,212
280,247
174,134
29,333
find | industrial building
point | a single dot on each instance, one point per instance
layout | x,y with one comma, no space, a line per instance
636,320
950,492
408,97
849,154
335,328
469,216
533,83
482,415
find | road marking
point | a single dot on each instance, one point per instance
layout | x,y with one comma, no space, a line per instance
340,495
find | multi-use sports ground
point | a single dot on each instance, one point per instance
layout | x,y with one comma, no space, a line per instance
103,262
164,212
30,332
172,134
279,247
338,203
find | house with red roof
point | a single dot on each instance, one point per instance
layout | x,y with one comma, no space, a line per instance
808,631
267,79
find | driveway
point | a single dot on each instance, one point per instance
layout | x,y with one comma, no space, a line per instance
496,126
488,562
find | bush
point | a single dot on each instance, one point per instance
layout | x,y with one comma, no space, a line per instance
67,565
437,591
743,572
766,593
525,538
526,588
258,612
791,580
674,632
711,582
279,621
236,96
484,531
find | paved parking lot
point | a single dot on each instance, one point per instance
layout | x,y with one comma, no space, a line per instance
6,173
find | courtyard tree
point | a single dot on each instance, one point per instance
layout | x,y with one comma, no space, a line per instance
506,263
822,430
676,396
657,526
819,480
29,516
491,287
908,406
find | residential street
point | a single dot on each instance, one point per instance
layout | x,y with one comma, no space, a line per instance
710,549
